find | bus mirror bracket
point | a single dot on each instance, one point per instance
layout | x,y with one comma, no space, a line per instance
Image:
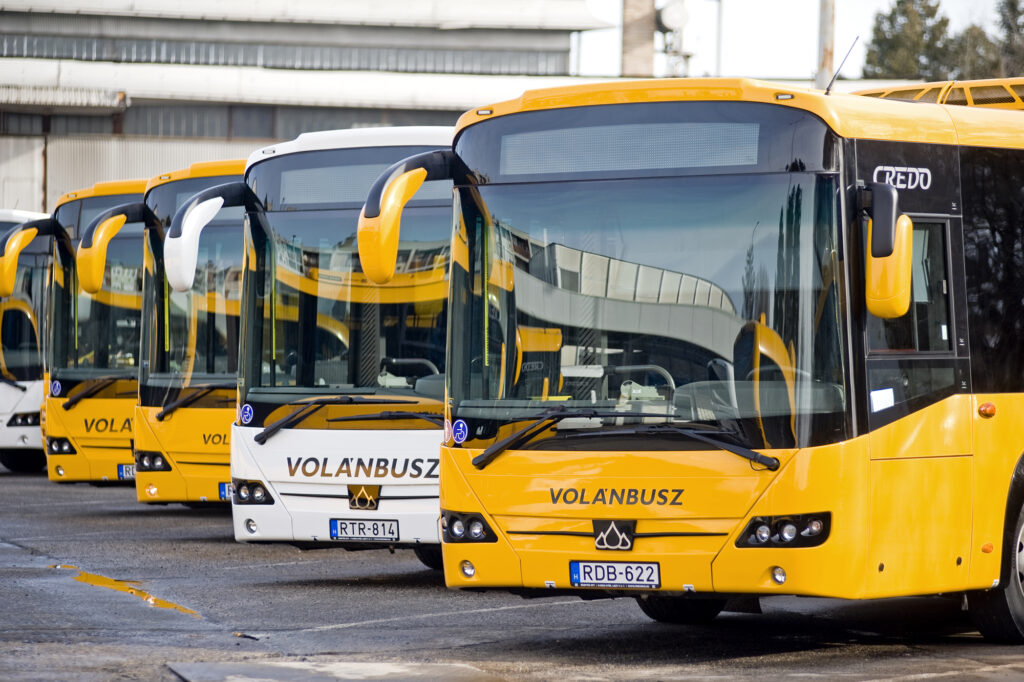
17,239
380,219
889,256
92,247
181,245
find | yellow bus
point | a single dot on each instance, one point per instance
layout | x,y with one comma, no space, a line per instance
340,380
22,325
92,344
993,93
189,340
788,346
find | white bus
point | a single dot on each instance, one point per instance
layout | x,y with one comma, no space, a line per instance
22,317
341,381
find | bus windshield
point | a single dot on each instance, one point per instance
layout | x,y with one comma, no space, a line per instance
698,286
97,334
191,338
318,325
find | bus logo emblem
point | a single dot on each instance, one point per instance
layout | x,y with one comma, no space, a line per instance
615,535
55,389
365,497
246,413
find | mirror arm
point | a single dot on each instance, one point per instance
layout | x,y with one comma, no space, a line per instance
236,193
439,165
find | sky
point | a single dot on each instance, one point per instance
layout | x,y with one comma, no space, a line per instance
766,38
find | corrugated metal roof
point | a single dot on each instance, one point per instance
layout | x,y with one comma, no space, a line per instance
254,85
59,98
556,15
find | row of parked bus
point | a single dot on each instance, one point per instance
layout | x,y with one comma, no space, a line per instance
683,340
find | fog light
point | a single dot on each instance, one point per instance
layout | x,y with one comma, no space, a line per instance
250,527
158,462
763,533
778,575
458,528
787,532
243,493
258,494
813,528
468,569
151,490
60,471
476,529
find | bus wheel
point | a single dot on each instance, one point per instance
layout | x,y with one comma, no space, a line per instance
430,555
680,610
999,613
23,461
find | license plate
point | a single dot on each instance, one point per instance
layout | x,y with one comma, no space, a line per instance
364,529
644,574
126,472
225,491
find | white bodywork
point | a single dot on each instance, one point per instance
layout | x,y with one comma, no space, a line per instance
305,470
307,493
13,401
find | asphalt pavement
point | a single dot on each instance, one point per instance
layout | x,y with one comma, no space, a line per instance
95,586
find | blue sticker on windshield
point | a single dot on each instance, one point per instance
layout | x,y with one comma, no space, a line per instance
246,413
460,431
55,389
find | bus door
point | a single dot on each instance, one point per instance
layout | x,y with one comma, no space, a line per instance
919,417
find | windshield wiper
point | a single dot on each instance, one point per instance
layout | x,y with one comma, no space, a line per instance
204,389
10,382
387,414
88,393
703,435
312,406
547,419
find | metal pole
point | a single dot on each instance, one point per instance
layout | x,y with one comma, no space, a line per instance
718,41
826,43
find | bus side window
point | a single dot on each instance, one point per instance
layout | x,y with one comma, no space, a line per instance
909,358
925,327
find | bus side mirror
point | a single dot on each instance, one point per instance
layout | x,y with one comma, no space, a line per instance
890,254
381,217
91,257
181,244
11,245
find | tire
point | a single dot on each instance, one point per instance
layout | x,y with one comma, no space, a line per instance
430,556
23,461
999,613
680,610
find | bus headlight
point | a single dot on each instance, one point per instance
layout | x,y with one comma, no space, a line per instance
251,492
59,446
789,530
465,527
24,419
151,461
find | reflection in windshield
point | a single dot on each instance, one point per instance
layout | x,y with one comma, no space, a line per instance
712,299
100,331
325,325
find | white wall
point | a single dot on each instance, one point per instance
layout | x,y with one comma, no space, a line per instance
21,173
77,162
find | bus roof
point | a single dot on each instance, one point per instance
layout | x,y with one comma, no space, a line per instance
14,215
996,93
102,189
850,116
350,138
203,169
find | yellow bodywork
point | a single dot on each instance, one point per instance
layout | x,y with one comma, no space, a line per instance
195,442
100,431
911,513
